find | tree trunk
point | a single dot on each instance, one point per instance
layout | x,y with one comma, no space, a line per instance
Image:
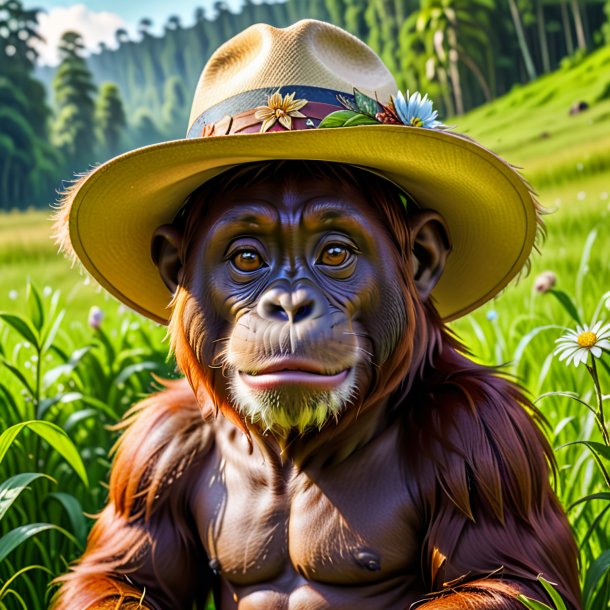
544,48
454,71
527,58
476,71
567,28
580,31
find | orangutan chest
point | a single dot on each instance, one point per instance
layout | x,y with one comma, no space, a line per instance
263,525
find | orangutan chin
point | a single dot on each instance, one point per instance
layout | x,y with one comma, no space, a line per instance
359,460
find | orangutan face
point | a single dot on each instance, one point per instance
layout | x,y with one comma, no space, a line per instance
296,298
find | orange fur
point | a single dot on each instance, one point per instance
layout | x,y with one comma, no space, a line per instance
166,434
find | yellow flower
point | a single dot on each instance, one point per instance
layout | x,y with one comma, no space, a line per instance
281,109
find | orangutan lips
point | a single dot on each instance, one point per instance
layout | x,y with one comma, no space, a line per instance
317,381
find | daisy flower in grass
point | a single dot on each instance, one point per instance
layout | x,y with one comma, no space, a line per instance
576,345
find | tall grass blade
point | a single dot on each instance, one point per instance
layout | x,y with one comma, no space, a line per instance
20,534
567,304
597,570
532,604
22,326
584,262
35,307
20,376
64,369
75,514
53,435
11,489
553,594
16,575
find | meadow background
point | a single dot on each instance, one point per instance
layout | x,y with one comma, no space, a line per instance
531,80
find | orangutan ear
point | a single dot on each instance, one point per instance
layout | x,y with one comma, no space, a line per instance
431,246
165,248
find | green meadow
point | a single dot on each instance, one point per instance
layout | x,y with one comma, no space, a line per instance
77,380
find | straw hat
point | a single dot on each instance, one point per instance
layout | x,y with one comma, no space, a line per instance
267,94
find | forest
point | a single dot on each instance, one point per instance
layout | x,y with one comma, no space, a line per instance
58,122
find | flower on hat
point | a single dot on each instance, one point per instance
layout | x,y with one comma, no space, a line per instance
281,109
411,110
415,110
575,345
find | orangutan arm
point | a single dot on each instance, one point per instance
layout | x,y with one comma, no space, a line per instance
155,461
493,523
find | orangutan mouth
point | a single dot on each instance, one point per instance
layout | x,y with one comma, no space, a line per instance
283,373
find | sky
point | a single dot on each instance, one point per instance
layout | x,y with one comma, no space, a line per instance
97,20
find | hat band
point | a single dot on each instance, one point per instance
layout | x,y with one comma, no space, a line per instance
237,114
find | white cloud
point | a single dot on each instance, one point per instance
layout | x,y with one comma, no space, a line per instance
94,28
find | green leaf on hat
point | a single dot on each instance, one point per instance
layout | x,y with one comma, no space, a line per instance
360,119
346,118
367,105
337,118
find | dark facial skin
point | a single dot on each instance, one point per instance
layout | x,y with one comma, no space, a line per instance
303,268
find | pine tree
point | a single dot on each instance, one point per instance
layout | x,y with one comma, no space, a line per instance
110,119
27,161
74,128
175,111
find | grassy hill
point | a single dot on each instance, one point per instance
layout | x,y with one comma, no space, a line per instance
531,126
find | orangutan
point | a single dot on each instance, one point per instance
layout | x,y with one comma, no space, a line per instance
331,445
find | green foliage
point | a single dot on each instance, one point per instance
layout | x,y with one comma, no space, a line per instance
61,388
23,113
109,119
73,128
175,108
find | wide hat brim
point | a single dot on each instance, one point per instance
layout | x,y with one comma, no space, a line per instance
489,210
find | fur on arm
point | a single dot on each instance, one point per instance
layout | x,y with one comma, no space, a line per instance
492,522
154,461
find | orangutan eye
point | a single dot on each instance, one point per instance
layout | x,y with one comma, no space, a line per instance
247,260
334,255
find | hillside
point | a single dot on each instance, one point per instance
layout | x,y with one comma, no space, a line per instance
532,126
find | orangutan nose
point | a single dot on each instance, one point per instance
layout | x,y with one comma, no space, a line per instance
279,304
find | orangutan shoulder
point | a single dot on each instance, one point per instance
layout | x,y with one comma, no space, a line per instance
166,436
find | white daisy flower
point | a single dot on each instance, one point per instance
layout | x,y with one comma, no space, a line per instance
576,345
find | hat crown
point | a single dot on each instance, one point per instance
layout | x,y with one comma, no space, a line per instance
308,53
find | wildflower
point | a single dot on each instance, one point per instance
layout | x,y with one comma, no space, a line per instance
96,315
545,281
46,291
492,315
12,295
282,109
581,196
416,111
575,345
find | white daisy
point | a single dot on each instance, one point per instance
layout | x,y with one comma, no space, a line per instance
576,345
